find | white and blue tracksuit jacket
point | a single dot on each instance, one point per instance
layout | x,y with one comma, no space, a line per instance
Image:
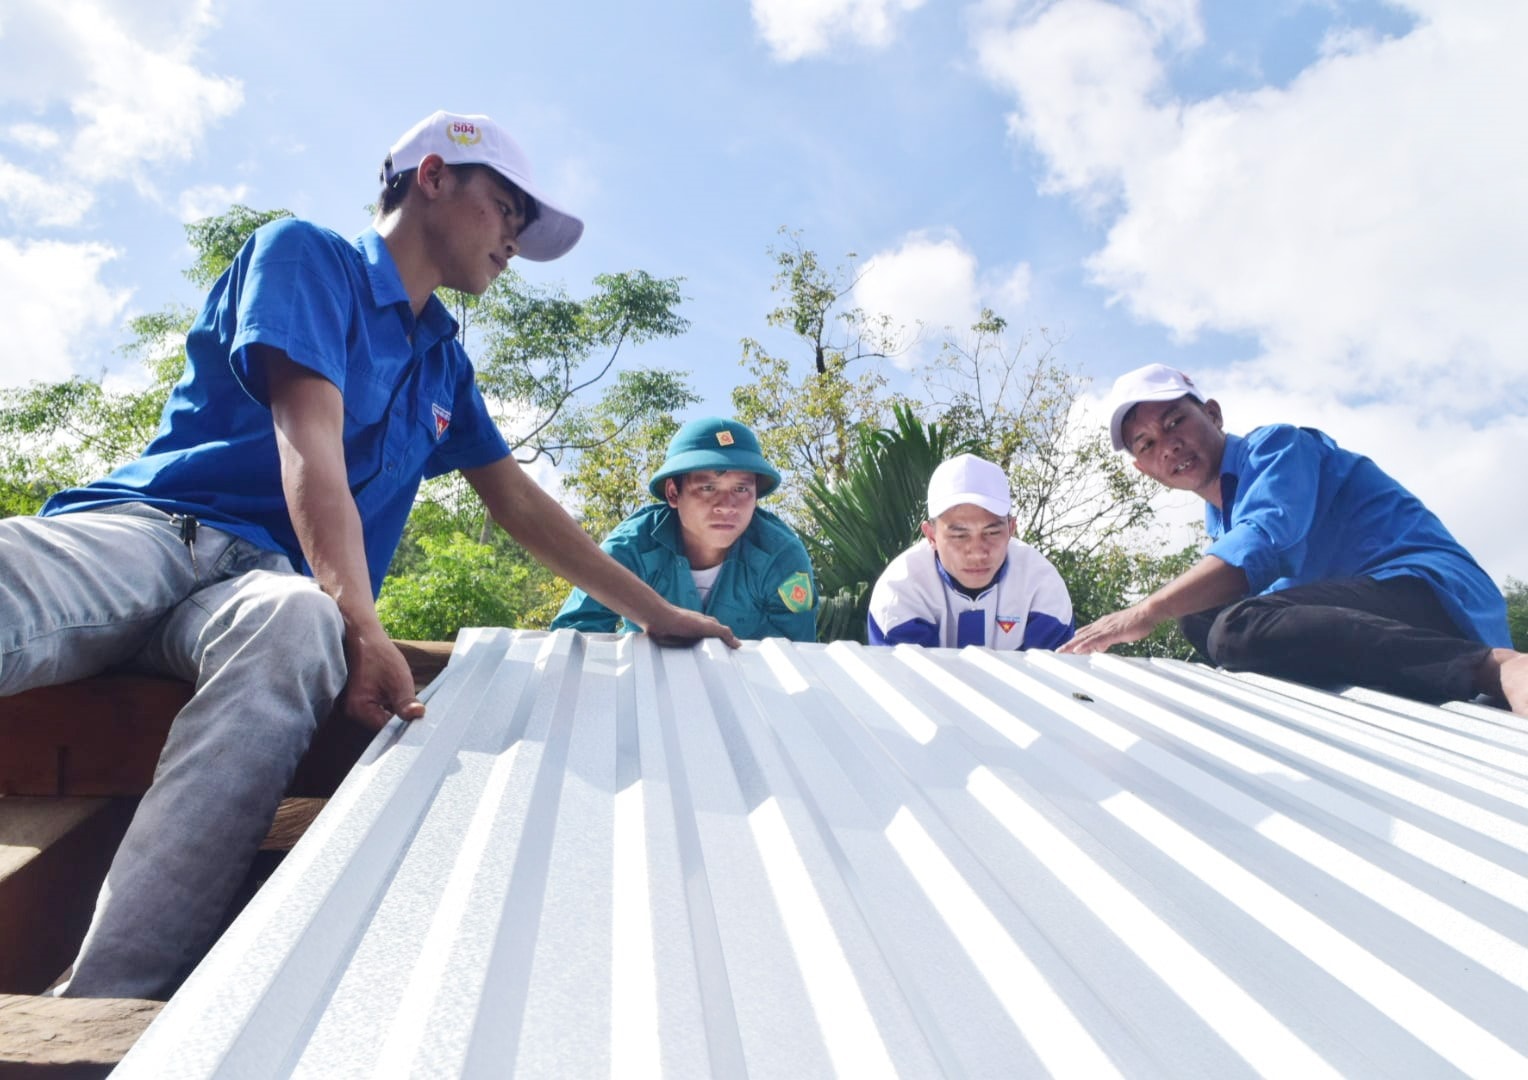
916,602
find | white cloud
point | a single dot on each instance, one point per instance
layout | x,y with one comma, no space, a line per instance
933,281
33,136
209,199
60,312
125,75
94,92
794,29
32,200
1084,73
1009,292
1364,223
1174,20
926,280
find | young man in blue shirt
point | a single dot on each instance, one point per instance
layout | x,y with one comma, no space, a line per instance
970,581
1322,569
708,545
244,549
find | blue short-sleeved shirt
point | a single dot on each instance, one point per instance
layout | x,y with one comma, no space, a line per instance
412,408
1299,509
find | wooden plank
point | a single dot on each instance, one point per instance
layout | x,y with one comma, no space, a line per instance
426,659
54,853
97,736
46,1038
102,735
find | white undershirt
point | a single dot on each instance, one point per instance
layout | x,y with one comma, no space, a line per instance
704,580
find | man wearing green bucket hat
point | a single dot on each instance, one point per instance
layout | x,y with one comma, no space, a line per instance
707,546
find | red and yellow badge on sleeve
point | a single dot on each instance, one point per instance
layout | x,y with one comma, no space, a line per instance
796,591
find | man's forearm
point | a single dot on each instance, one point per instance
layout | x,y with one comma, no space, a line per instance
308,416
540,524
328,527
1211,582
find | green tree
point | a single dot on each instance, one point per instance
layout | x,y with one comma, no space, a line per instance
610,479
870,515
1516,594
58,435
1112,576
810,425
455,582
541,353
218,239
1072,492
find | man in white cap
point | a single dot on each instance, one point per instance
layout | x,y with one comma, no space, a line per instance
1322,569
244,549
970,581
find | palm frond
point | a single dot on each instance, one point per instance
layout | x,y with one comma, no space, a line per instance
872,514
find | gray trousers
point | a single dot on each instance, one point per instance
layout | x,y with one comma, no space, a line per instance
84,592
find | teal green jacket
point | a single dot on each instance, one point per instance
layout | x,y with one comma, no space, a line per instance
766,587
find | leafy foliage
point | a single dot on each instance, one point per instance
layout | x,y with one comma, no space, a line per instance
60,435
869,516
611,479
539,350
216,240
810,426
1516,594
1114,576
454,582
1071,491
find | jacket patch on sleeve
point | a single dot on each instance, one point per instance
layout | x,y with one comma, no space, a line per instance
796,591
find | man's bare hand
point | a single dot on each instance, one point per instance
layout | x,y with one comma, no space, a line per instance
678,626
1131,624
380,684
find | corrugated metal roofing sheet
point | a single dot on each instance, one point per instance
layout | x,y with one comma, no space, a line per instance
597,857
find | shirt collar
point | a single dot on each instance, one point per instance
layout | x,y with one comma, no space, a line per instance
665,526
1232,461
1234,458
387,290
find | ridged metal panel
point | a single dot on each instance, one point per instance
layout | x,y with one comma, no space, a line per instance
595,857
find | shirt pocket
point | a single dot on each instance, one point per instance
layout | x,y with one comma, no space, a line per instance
365,402
366,399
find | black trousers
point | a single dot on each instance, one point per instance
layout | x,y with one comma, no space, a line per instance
1390,635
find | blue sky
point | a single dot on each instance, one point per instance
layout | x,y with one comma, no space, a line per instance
1316,207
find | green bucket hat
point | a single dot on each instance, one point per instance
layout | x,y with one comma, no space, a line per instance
714,443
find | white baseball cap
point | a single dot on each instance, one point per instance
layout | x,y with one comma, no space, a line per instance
1154,382
968,479
462,139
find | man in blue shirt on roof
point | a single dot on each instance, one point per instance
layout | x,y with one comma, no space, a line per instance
244,549
1322,568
